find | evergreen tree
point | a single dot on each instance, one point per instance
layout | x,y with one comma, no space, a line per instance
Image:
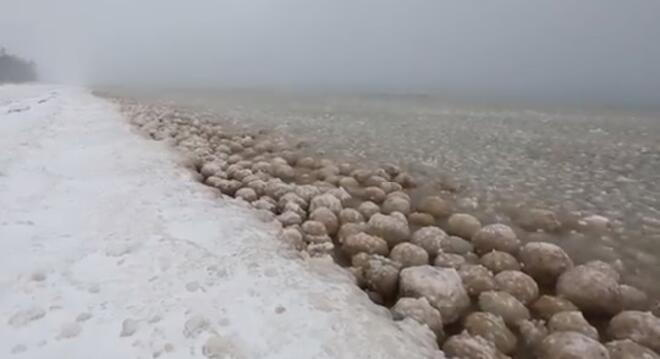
16,69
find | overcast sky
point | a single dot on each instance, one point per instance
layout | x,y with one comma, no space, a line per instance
591,50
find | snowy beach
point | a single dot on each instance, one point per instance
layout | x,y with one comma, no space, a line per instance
143,231
110,249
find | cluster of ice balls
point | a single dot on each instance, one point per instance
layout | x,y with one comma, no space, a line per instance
506,298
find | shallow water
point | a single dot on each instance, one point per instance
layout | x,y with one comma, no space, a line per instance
496,161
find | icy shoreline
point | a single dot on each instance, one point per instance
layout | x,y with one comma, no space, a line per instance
495,161
532,298
110,249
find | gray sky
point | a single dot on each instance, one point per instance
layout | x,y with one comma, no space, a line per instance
604,51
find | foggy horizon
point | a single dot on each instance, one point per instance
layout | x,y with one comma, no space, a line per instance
578,53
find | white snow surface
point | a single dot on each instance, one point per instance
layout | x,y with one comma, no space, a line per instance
109,249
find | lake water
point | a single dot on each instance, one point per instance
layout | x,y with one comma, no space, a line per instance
496,161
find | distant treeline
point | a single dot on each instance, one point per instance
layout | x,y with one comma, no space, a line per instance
16,69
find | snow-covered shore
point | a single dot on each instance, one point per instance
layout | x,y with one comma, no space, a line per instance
109,249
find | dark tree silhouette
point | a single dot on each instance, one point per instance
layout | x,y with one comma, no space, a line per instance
15,69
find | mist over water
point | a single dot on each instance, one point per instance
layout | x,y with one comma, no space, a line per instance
591,52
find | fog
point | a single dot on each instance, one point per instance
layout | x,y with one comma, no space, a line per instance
586,51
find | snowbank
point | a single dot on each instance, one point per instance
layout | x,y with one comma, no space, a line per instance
108,249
